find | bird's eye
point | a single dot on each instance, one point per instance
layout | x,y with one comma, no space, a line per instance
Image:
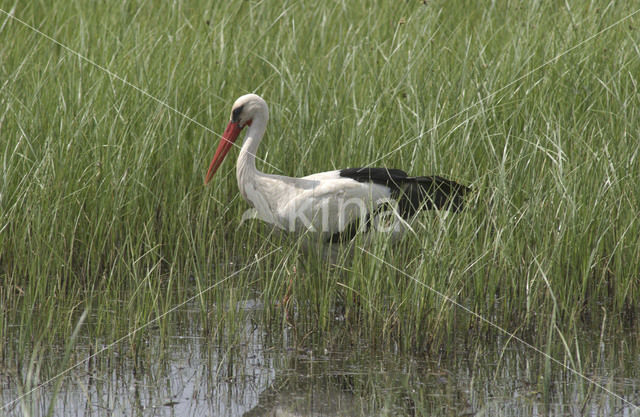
235,114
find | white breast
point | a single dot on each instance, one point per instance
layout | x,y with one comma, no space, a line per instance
323,202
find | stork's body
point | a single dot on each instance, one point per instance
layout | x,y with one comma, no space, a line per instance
331,202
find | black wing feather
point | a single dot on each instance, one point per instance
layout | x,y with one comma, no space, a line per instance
411,193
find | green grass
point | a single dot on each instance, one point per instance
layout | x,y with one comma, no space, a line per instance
102,206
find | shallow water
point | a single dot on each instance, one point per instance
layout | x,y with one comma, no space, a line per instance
193,374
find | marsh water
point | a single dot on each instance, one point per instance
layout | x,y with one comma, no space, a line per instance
187,371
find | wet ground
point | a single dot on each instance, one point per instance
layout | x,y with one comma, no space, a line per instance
191,374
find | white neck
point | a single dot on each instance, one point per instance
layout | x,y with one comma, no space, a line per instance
246,171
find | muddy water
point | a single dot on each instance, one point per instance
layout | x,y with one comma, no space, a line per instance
190,374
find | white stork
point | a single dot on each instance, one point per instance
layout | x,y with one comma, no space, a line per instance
335,203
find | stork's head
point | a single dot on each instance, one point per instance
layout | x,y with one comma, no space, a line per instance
247,107
244,111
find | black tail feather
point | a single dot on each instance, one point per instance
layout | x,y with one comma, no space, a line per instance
427,193
414,193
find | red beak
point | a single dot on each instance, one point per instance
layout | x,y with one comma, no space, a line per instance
228,138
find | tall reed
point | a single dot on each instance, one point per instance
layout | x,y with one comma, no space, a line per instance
102,206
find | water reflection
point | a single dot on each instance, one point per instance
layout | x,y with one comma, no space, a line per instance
189,374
